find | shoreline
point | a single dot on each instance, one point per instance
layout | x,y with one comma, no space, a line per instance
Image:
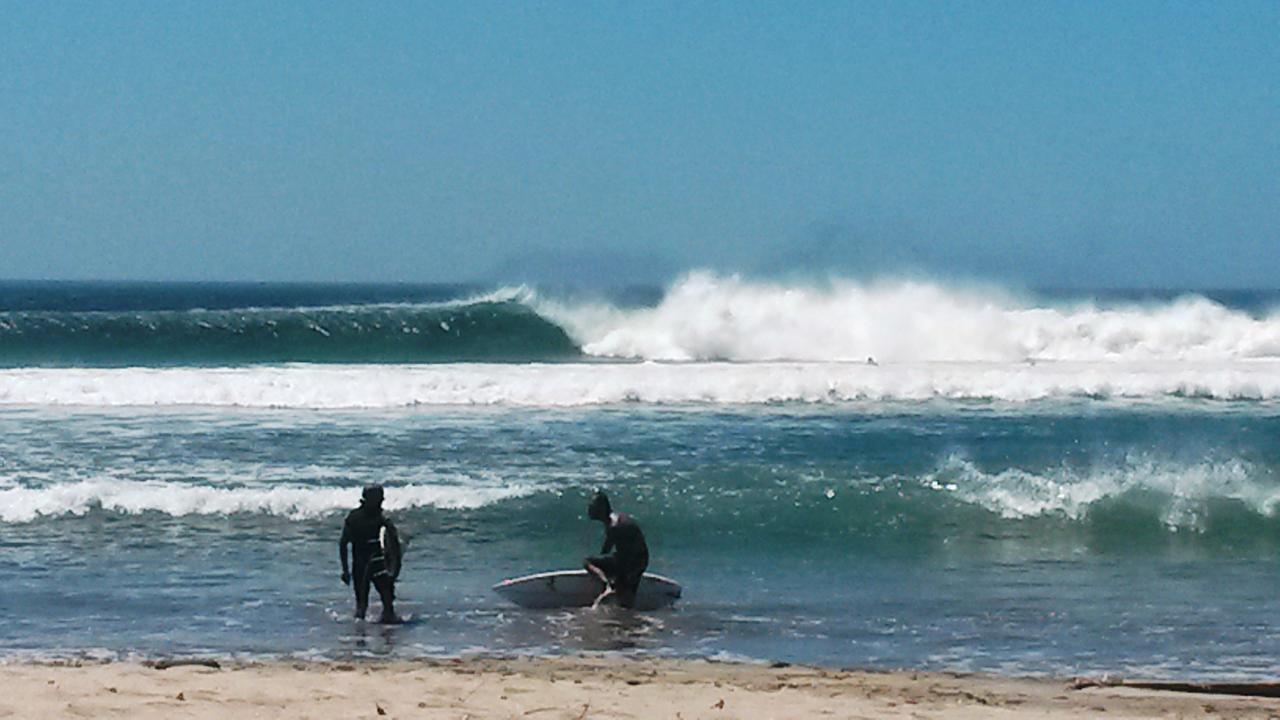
572,688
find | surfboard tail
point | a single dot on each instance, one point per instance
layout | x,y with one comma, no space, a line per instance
389,539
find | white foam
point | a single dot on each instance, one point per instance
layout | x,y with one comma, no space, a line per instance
22,504
584,384
709,317
1017,493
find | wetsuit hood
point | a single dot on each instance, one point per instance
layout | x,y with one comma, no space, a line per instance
371,497
599,508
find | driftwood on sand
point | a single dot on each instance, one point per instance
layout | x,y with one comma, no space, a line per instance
166,664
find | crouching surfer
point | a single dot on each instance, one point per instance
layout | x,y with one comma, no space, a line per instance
624,557
375,554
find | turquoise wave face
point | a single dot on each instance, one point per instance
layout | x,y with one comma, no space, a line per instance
482,332
754,480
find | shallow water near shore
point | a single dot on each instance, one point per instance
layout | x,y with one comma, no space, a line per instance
1042,542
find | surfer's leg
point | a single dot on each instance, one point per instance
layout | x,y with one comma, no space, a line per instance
360,583
608,592
387,593
603,567
627,587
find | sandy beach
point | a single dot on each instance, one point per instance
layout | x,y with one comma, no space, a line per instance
572,689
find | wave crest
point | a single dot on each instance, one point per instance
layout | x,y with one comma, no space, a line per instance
710,317
23,504
1178,493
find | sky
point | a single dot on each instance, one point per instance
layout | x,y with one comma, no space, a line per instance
1063,144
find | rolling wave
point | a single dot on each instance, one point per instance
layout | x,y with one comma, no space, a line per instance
1226,497
486,329
701,318
23,504
1178,494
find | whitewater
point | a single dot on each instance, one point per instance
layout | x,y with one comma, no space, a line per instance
709,317
571,384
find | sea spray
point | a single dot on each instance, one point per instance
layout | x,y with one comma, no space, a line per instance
710,317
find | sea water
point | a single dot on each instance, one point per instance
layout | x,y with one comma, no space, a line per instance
889,474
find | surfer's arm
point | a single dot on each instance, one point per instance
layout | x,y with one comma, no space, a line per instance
343,542
608,541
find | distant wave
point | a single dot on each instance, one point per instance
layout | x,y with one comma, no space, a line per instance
701,318
587,384
492,328
710,317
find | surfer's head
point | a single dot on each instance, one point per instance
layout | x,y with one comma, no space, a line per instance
372,496
598,508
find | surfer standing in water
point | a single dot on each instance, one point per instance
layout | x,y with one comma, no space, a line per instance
621,569
375,554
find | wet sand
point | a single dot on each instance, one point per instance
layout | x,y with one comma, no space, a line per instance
572,689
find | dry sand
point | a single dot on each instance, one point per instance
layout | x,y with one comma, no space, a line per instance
571,689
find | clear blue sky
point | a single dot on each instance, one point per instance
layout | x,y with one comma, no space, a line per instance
1073,143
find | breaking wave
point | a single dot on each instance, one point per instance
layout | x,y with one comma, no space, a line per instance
23,504
957,497
1180,495
702,317
709,317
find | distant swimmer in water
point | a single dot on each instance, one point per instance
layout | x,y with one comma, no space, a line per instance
871,361
624,557
375,554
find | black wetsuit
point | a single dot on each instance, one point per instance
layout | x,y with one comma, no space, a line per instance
369,565
628,560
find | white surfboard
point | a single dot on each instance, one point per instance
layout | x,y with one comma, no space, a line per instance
578,588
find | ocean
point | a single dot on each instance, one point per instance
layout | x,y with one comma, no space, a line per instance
876,474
